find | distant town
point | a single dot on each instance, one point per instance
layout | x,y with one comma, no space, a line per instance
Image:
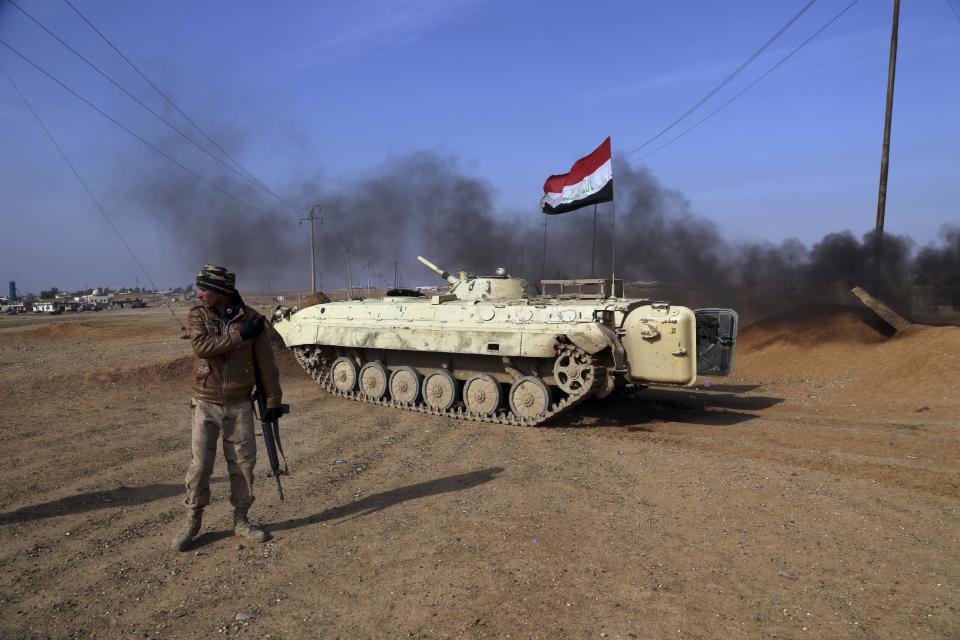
53,301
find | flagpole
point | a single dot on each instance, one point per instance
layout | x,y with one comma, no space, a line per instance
593,256
613,249
613,234
543,263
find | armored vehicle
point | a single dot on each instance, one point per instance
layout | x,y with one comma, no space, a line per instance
494,349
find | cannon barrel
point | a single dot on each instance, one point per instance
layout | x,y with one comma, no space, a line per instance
440,272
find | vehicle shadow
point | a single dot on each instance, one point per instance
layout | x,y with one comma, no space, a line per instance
733,388
122,496
636,409
385,499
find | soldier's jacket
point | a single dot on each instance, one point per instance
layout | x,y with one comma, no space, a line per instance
223,369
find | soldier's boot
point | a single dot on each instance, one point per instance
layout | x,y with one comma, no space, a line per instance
243,527
190,529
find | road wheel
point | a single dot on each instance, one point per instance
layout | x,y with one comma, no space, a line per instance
373,380
482,394
405,385
574,370
529,397
343,373
440,389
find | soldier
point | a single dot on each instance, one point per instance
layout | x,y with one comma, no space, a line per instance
228,340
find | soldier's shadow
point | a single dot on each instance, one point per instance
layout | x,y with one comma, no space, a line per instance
209,537
385,499
122,496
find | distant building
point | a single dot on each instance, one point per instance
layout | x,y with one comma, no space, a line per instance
96,298
134,300
13,291
48,306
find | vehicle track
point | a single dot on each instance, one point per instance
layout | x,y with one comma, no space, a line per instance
312,361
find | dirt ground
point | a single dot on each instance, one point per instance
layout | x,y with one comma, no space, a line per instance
813,494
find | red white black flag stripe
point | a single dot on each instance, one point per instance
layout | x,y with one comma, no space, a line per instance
589,181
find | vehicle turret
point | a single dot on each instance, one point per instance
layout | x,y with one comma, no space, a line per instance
499,287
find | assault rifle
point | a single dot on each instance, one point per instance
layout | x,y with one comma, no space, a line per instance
271,434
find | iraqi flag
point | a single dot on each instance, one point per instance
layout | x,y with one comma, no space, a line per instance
590,181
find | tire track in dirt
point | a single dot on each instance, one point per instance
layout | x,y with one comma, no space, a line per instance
939,483
854,452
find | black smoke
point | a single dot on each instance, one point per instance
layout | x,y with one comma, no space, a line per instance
203,225
424,204
419,204
940,265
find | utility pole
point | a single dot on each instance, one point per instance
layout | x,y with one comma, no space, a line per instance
314,215
368,277
396,275
885,159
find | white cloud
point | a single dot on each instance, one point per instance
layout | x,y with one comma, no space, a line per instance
372,24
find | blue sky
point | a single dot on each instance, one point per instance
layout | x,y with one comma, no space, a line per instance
513,91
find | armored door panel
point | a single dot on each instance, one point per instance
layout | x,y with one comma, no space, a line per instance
716,341
660,343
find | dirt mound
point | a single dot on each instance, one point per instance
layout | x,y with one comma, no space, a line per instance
105,330
286,362
177,370
815,325
288,366
850,353
63,330
315,298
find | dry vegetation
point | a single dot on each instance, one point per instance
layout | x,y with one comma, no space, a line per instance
814,494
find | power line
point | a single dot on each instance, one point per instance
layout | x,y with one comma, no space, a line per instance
141,103
730,77
953,9
140,138
178,109
86,188
749,86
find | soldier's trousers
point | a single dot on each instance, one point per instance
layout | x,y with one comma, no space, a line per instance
234,422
